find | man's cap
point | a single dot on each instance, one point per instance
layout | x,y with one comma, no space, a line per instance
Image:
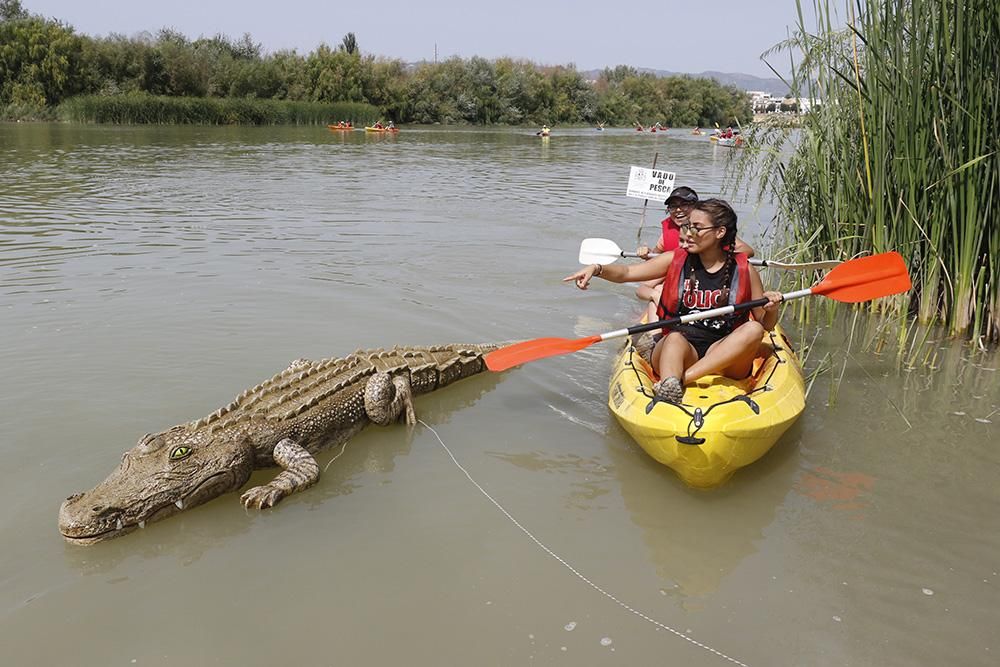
682,195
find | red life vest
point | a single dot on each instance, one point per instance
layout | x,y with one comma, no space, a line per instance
673,287
670,239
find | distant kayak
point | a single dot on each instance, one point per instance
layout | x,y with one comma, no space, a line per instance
340,127
381,129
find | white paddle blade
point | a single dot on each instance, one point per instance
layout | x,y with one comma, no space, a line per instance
599,251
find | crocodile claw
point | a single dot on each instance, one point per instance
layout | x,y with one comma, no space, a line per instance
261,497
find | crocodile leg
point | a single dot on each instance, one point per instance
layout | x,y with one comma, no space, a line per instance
300,471
405,394
388,399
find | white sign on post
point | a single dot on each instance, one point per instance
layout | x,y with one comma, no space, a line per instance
646,183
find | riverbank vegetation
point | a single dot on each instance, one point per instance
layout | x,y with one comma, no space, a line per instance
44,63
901,153
138,108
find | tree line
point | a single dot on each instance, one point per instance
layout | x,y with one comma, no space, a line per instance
44,62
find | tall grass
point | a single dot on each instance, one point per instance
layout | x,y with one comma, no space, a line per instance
901,153
142,108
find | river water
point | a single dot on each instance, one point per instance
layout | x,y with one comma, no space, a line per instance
150,274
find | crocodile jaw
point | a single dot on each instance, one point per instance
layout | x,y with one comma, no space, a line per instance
85,518
146,488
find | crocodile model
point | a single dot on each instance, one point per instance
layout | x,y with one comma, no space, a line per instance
308,406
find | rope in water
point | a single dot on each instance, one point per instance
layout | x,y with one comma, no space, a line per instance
573,569
339,454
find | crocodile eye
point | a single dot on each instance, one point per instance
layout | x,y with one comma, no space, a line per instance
180,453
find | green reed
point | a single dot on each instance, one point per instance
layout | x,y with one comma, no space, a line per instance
142,108
900,154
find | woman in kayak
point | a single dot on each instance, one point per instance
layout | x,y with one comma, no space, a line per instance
679,205
705,273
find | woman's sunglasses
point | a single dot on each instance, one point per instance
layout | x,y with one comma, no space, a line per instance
690,229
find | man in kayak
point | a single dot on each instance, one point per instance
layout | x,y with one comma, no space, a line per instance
705,273
679,205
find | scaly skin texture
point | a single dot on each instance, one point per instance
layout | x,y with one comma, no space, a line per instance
284,421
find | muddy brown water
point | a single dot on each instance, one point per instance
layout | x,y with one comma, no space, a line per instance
148,275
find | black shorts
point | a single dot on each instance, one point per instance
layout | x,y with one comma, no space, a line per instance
701,345
699,341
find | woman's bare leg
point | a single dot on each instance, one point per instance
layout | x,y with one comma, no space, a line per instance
732,356
645,289
672,355
654,299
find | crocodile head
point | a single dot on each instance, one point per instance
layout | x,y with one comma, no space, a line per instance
162,475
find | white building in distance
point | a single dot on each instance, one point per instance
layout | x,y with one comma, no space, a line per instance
763,102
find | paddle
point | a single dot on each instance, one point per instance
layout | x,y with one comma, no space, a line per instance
606,251
854,281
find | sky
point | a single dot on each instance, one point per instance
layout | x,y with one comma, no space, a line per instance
690,37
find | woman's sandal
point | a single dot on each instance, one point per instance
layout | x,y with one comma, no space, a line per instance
669,390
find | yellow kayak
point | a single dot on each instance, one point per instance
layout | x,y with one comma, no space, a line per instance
722,424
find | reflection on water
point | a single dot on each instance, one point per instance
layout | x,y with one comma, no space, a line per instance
844,491
695,537
590,474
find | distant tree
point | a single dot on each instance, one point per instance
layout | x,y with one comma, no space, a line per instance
293,78
383,83
334,76
246,49
11,10
619,73
349,43
40,61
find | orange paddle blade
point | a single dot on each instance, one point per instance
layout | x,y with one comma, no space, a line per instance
866,278
537,348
